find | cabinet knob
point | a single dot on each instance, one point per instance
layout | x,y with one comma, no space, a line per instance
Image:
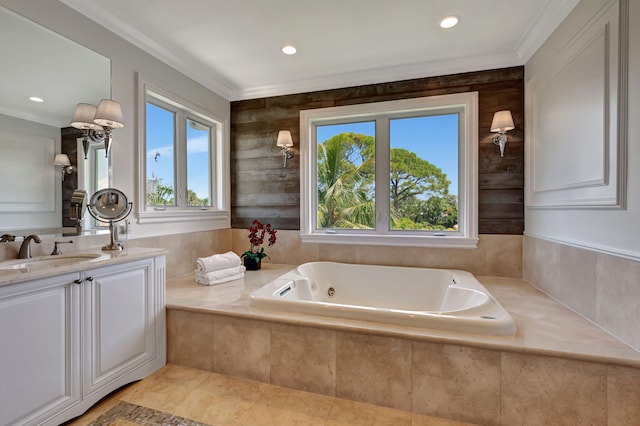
90,279
77,281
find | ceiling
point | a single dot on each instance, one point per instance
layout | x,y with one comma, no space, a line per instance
39,62
233,46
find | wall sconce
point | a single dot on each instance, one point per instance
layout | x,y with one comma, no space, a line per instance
502,122
285,141
97,122
62,161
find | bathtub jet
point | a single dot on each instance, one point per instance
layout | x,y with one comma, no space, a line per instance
440,299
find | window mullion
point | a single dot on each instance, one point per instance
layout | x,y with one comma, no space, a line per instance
181,159
382,175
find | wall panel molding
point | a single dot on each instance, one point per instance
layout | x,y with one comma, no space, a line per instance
576,151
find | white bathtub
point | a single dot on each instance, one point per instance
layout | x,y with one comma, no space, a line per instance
427,298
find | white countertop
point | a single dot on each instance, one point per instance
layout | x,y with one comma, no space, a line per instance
102,258
545,327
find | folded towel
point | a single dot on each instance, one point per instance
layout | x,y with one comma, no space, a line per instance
222,280
217,262
221,276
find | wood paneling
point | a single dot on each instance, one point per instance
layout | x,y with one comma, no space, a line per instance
262,189
70,137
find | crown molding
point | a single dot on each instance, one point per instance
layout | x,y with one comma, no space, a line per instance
551,15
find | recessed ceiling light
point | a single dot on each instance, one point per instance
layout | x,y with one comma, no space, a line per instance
449,22
36,99
289,50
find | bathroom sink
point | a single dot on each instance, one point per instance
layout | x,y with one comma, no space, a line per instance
43,262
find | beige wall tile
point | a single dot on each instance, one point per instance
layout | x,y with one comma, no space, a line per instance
576,275
544,391
456,382
503,254
338,253
505,260
623,395
190,339
184,249
374,369
303,358
618,296
242,348
600,287
540,264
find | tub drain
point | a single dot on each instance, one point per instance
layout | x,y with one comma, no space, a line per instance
331,291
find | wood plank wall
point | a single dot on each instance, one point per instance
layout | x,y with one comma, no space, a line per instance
262,189
69,143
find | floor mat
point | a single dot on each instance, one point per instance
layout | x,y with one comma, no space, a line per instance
126,412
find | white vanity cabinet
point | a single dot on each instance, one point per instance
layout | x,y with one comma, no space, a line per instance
39,349
69,340
119,318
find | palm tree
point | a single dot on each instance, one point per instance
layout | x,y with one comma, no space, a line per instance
345,182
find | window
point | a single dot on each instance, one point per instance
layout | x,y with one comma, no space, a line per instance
181,160
393,173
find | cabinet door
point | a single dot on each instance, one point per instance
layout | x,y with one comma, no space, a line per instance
39,349
119,322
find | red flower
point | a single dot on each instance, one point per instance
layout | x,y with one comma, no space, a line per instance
257,232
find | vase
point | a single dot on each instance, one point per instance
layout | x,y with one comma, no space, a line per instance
251,264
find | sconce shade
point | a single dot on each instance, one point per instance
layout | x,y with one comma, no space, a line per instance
284,138
61,160
502,121
83,117
109,114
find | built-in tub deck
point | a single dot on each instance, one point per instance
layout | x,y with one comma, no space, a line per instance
557,369
544,326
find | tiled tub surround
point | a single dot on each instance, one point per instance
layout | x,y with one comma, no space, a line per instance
601,287
558,368
496,255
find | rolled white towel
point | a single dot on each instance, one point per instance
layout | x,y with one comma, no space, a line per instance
217,262
223,275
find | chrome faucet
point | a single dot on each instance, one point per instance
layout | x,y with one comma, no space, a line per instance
7,238
25,248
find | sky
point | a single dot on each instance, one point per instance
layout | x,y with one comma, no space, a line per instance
433,138
161,152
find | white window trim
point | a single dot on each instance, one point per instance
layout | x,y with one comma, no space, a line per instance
220,191
466,237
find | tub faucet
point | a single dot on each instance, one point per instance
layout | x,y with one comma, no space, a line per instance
25,248
7,238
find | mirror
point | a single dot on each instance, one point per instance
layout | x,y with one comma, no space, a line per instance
110,205
39,62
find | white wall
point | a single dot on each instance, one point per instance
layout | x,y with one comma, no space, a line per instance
610,230
585,257
126,62
30,194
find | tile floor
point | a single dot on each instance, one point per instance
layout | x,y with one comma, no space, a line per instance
177,395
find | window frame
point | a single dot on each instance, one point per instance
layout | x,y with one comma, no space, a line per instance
218,160
467,234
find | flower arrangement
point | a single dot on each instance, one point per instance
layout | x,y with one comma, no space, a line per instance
257,233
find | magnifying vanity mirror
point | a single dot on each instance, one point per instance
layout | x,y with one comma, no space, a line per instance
39,62
109,205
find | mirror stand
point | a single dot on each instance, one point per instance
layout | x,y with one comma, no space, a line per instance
113,246
110,205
